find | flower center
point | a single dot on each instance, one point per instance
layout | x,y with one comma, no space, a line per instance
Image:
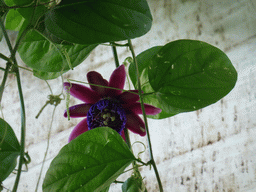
106,113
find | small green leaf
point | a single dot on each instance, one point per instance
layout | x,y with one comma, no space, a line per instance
132,184
9,150
31,10
91,162
100,21
40,54
14,20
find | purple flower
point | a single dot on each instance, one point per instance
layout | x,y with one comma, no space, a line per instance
106,106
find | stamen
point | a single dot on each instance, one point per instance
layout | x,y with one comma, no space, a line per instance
107,112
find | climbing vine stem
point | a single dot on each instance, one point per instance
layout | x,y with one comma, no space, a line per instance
22,105
145,118
13,63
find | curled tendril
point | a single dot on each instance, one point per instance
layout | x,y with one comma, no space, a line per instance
141,151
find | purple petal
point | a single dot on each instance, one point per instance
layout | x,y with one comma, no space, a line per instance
81,92
135,124
123,135
78,130
78,110
149,109
117,80
96,78
128,97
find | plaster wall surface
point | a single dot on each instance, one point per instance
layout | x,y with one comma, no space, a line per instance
212,149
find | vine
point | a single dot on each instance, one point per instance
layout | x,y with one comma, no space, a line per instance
55,37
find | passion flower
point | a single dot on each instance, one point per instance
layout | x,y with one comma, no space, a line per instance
106,105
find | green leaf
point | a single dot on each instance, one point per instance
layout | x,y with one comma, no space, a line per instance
14,20
91,162
185,75
100,21
9,150
31,11
42,55
190,75
132,184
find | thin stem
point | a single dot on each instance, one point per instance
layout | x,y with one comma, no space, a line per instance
23,129
41,110
27,69
118,182
8,64
115,55
145,119
47,148
2,56
5,35
127,138
4,80
49,87
69,80
23,113
116,44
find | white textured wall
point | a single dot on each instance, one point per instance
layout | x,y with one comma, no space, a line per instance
212,149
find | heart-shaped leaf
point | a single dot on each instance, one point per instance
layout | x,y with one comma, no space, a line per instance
91,162
100,21
9,150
